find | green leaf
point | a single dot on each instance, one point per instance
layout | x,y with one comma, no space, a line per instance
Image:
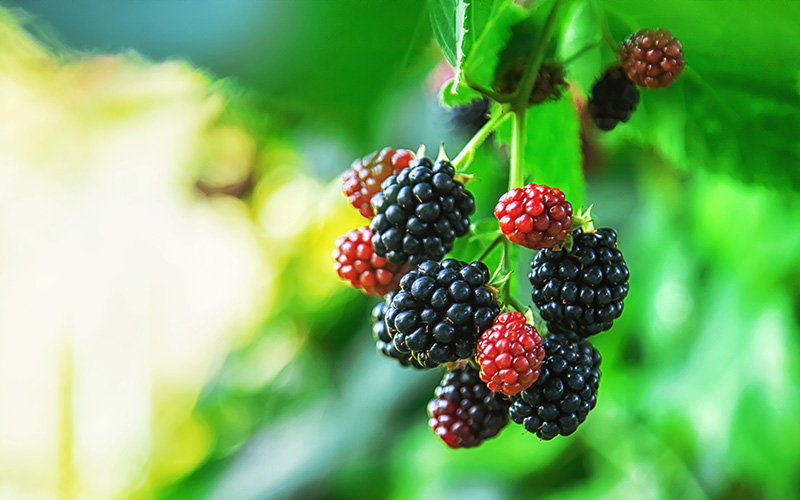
443,21
481,62
552,148
583,29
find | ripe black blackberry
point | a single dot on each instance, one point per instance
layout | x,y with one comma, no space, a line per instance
420,212
613,100
441,311
464,412
467,119
581,291
565,392
383,341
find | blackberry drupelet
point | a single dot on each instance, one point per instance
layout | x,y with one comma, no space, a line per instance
383,341
565,392
549,85
535,216
363,179
464,412
420,212
581,291
510,354
613,100
652,58
441,311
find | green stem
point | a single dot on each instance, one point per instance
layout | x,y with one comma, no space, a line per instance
491,247
581,52
515,173
520,101
491,94
465,156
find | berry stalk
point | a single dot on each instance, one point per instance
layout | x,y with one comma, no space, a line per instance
465,156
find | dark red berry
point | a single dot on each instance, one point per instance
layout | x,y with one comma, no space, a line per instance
364,177
357,263
535,216
652,58
464,412
510,353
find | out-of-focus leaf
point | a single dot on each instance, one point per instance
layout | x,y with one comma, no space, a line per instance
481,62
552,148
583,29
454,94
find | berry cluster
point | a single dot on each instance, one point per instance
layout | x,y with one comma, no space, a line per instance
581,291
565,391
535,216
443,312
464,412
420,212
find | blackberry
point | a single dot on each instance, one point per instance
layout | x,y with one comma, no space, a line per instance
549,84
441,310
652,58
363,179
581,291
510,353
464,412
613,100
420,212
383,341
535,216
356,262
566,390
469,118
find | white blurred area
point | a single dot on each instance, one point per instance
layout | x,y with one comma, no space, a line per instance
121,290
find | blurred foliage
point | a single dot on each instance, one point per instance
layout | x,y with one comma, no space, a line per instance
699,395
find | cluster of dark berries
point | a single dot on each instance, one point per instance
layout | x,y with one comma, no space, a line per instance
565,391
648,58
420,212
441,311
383,341
581,291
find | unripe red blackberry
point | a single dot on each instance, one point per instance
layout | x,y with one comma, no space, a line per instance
441,311
535,216
356,262
614,98
581,291
559,401
464,412
363,179
652,59
510,353
420,212
383,341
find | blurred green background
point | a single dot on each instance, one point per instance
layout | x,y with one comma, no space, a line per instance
170,323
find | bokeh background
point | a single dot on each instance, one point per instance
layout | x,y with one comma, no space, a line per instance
170,323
